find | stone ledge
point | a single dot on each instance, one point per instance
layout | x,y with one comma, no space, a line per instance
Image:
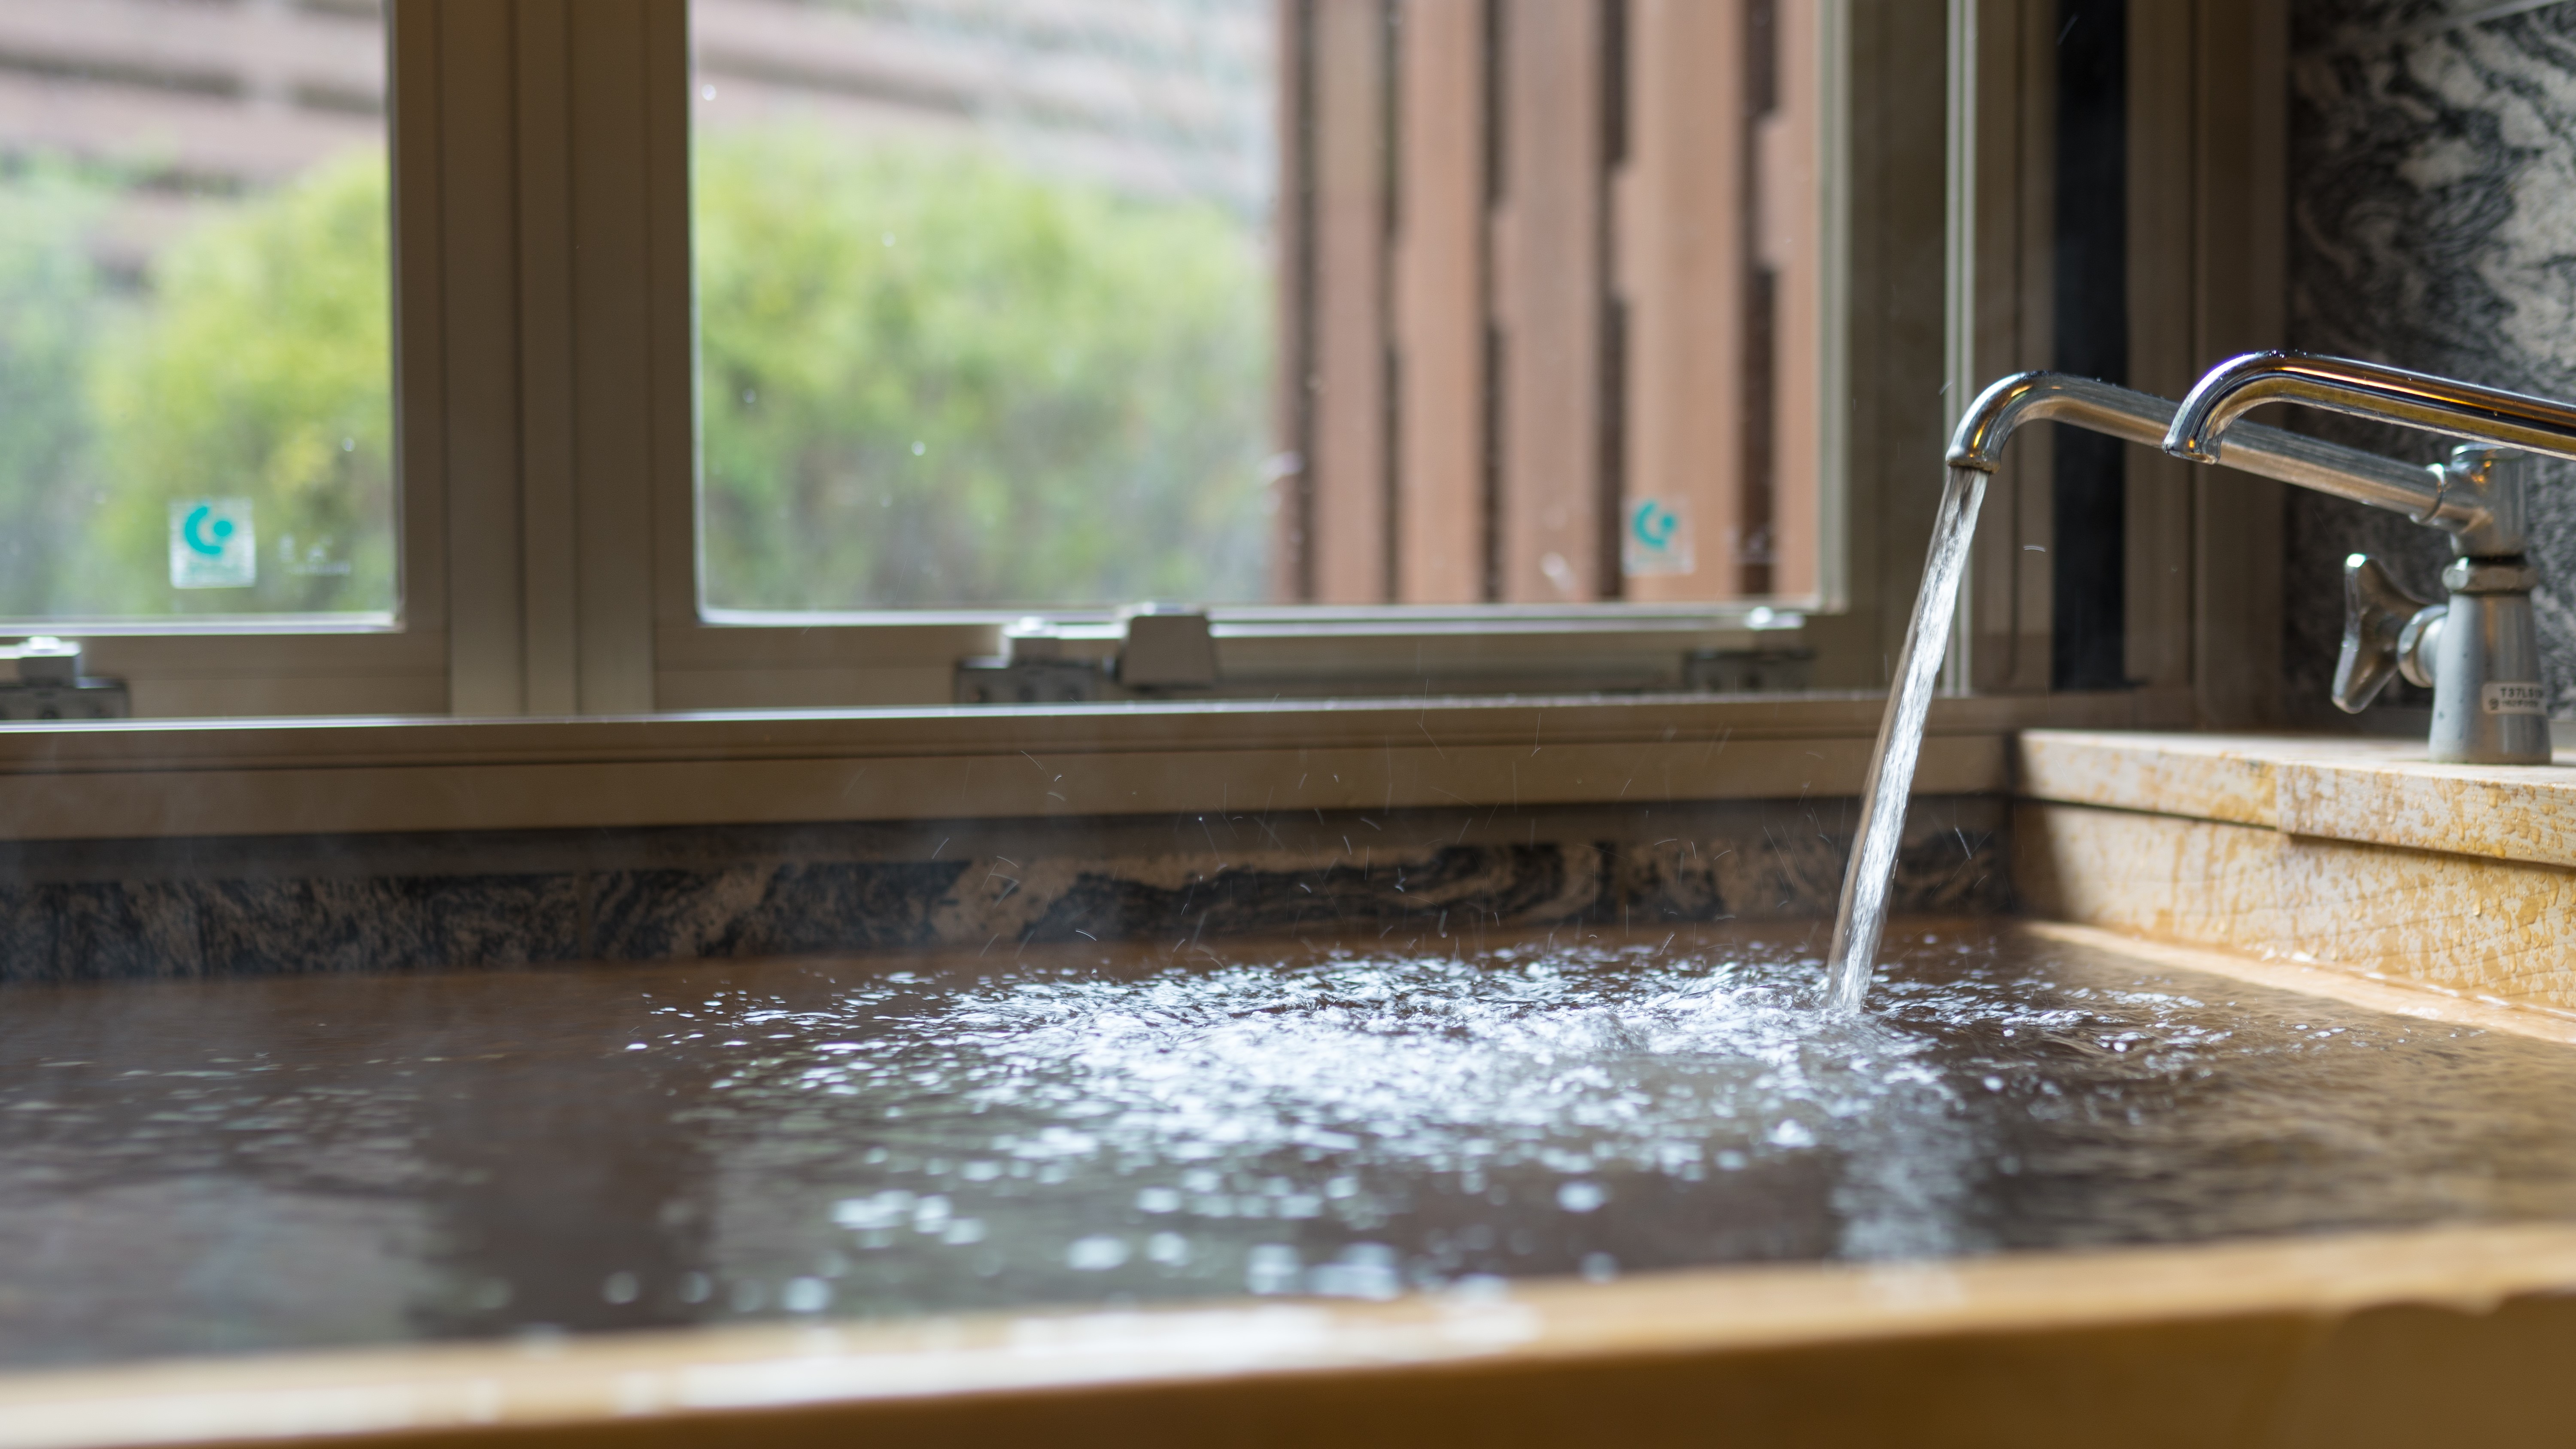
2367,791
2503,932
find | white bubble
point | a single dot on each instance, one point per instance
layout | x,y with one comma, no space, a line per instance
885,1210
963,1231
621,1287
1158,1200
1364,1270
1096,1254
1169,1249
1580,1197
805,1295
1272,1268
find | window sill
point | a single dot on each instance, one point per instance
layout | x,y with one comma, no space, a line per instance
138,779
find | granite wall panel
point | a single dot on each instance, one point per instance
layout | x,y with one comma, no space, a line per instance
187,908
2433,226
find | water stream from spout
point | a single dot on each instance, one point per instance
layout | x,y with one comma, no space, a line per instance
1863,913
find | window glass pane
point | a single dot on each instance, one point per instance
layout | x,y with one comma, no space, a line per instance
986,292
1565,297
984,301
195,329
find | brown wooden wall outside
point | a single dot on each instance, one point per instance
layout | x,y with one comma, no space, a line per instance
1549,265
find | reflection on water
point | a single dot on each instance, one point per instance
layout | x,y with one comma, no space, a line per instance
215,1166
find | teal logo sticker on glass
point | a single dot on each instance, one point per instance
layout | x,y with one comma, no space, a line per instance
1656,540
211,544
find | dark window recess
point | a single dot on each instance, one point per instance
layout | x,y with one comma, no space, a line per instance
2090,623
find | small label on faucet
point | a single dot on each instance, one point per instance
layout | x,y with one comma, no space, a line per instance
2501,697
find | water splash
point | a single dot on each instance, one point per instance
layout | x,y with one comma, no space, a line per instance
211,1167
1862,915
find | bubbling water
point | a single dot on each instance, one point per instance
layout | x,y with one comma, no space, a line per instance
1862,915
191,1167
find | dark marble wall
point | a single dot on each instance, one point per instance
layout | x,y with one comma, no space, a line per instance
123,910
2432,225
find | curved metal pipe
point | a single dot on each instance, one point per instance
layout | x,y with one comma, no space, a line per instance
2364,390
2421,492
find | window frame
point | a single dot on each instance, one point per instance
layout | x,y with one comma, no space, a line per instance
735,659
334,664
545,386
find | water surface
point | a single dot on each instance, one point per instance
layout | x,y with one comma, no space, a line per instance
237,1165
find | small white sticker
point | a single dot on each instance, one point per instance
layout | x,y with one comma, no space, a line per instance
211,544
1656,540
2500,697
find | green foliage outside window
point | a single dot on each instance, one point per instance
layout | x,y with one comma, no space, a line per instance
929,377
255,364
49,316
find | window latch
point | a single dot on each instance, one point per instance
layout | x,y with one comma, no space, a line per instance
50,685
1151,651
1167,647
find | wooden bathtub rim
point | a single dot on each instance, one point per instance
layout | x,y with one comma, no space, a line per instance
2276,1298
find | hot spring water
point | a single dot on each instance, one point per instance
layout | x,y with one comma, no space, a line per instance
192,1167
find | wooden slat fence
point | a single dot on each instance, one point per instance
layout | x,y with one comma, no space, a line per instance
1565,300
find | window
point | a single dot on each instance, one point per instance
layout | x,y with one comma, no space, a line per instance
1436,344
196,359
983,302
1562,281
1512,328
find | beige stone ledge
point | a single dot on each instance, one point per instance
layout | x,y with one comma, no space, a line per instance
2438,1336
2378,792
2503,931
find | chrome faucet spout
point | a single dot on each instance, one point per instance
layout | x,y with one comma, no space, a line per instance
2424,494
2365,390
